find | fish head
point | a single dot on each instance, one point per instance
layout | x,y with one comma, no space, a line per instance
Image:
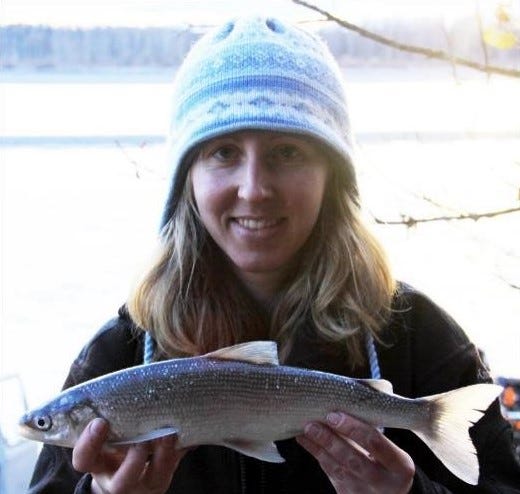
59,422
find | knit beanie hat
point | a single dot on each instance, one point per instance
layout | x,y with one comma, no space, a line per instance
257,73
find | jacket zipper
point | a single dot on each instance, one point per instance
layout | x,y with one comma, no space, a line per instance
263,479
243,478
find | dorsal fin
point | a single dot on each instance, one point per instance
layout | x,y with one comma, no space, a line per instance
255,352
378,384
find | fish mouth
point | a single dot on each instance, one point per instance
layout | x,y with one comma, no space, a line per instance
28,432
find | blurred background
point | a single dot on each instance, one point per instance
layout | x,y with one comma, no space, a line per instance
84,105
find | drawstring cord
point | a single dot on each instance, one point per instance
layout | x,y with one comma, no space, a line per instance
149,348
375,370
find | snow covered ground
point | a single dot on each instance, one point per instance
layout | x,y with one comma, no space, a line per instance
83,177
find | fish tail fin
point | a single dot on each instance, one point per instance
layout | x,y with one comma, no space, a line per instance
453,413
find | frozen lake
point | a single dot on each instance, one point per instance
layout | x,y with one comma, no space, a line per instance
83,180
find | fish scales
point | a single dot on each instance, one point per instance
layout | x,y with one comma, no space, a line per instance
277,396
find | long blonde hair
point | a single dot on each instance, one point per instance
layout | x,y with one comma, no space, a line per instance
191,302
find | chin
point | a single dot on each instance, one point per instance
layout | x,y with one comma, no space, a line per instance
262,267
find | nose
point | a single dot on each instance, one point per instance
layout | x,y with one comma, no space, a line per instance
256,179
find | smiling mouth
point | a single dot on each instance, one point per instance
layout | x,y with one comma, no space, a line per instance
257,223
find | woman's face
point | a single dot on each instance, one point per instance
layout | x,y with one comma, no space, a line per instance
259,195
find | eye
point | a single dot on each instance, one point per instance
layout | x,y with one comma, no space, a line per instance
288,153
225,153
43,422
219,154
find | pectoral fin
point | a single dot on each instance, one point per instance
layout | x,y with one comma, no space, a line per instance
141,438
261,451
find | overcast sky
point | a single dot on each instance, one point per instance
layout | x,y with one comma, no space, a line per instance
173,12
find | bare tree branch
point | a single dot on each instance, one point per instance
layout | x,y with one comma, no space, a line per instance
427,52
450,47
130,160
481,33
512,285
409,221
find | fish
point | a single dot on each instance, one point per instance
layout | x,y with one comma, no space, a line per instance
241,397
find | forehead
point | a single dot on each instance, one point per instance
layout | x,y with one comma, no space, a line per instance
65,402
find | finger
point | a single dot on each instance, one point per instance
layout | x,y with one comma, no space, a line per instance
379,447
164,462
87,452
388,454
356,430
334,451
313,448
131,469
345,478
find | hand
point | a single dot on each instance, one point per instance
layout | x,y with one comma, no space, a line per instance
144,468
358,458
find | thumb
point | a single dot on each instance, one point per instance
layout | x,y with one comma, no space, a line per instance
87,451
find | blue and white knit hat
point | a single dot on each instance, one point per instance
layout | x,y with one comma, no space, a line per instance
257,73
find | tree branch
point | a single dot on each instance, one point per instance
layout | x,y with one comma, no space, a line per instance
130,160
512,285
409,221
437,54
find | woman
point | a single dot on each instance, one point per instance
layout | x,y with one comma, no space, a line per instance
262,238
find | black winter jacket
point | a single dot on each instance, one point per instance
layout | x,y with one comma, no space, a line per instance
423,352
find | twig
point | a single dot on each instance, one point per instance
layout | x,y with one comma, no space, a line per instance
409,221
508,283
450,47
132,161
437,54
481,35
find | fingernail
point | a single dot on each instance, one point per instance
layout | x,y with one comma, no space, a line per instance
97,426
312,430
334,418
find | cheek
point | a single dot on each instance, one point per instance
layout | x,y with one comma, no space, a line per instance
307,192
203,191
212,197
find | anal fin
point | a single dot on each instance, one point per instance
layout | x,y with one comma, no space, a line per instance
260,450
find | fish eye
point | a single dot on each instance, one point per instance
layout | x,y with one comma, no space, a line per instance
43,422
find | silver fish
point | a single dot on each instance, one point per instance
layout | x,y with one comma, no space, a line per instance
240,397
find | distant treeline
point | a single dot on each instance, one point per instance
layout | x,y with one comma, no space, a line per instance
49,47
44,47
